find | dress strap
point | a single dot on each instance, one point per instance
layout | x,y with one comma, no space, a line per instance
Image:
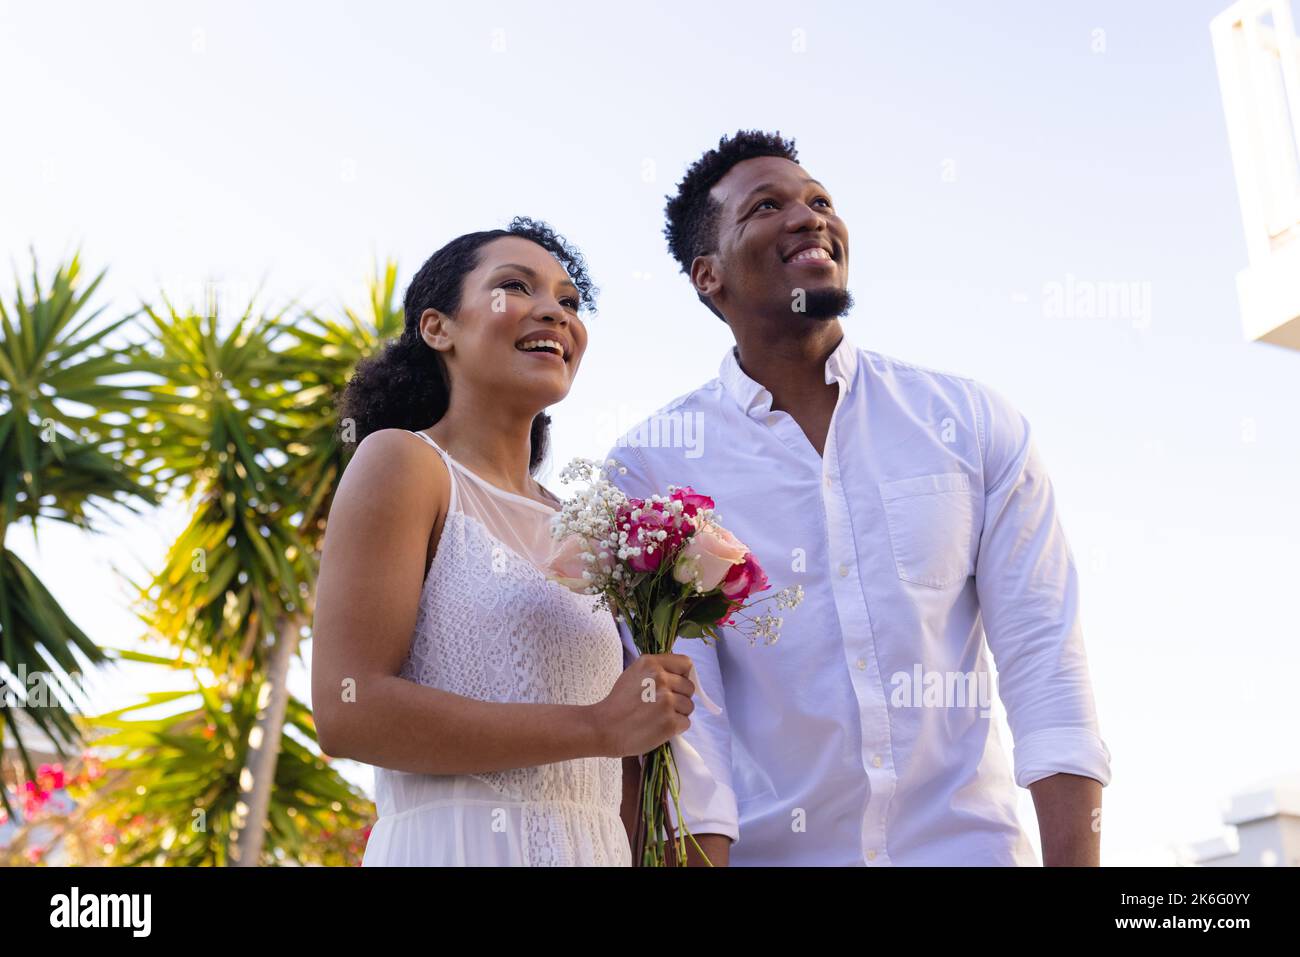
454,504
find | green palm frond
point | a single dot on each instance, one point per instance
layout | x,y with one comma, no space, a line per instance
60,459
213,417
324,352
226,579
73,477
57,403
45,654
221,431
174,783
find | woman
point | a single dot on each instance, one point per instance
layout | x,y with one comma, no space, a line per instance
492,702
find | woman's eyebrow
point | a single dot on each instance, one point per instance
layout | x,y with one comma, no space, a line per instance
531,273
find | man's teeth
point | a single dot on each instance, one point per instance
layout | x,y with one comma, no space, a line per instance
534,345
815,253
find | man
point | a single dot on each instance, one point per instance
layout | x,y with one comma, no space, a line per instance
913,508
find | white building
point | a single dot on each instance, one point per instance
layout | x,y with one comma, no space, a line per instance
1258,59
1264,831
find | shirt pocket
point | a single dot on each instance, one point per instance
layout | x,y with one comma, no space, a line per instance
930,520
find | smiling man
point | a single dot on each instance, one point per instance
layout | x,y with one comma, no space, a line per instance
915,511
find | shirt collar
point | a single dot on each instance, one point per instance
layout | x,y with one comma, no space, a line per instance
754,399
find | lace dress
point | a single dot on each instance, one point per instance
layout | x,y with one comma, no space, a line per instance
490,626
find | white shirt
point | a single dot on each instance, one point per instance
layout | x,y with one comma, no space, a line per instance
863,736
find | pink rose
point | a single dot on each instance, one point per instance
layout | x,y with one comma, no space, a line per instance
692,501
710,554
566,565
643,533
744,579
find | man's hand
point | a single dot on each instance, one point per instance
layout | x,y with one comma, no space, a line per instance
1069,819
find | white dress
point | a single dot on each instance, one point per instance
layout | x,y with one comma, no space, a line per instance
491,626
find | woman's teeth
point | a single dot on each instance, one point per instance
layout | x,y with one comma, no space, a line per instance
536,345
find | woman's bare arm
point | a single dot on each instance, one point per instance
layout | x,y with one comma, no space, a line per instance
393,491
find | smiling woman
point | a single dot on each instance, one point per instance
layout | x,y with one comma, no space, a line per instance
407,386
492,702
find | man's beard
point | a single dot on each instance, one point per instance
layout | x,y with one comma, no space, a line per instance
828,302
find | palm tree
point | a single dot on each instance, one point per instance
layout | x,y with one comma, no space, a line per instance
174,797
320,357
323,355
235,586
251,417
63,426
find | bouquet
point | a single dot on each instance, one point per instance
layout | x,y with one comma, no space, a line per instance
668,568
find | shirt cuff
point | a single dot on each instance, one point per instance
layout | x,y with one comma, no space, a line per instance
708,805
1061,750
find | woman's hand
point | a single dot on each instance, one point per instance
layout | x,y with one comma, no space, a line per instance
648,705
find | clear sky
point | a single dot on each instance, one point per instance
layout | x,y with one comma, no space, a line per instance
986,159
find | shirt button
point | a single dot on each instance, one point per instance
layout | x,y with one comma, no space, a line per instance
875,760
871,854
827,481
844,570
861,663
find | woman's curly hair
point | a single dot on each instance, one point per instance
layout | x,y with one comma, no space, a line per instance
405,384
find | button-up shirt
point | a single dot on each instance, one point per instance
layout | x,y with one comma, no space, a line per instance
924,533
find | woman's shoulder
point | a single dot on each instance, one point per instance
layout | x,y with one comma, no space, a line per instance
400,466
399,447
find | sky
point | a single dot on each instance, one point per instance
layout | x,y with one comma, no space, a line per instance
991,161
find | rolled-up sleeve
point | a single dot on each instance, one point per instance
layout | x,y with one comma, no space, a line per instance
703,752
1028,591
